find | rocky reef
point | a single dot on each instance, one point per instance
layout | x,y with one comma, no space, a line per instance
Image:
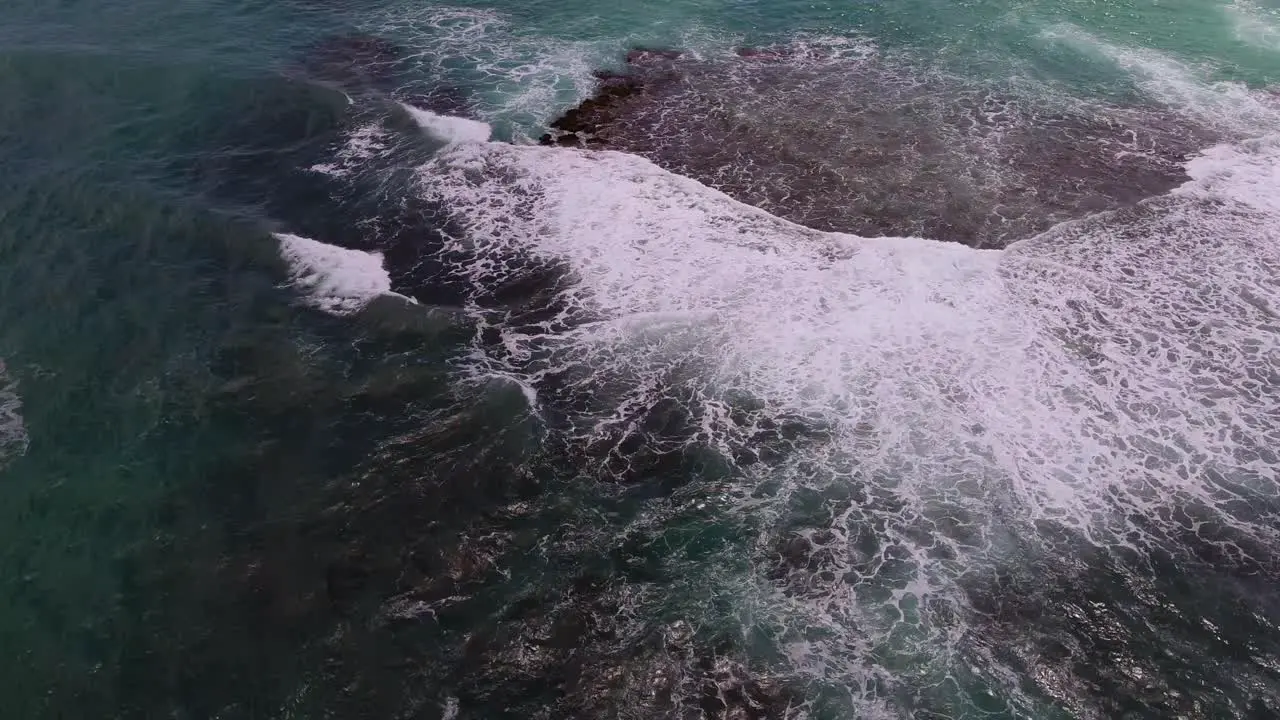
853,142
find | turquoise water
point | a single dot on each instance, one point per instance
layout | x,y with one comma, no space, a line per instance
607,462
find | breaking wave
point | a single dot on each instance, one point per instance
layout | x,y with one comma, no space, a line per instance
335,279
1096,379
449,129
911,421
1227,107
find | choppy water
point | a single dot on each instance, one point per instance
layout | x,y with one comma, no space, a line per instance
909,359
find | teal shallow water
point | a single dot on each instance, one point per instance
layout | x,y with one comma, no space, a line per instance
225,492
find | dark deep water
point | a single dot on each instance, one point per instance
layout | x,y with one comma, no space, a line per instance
617,446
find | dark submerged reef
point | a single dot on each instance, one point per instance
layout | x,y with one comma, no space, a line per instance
859,145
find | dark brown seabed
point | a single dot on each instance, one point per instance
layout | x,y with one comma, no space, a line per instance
859,145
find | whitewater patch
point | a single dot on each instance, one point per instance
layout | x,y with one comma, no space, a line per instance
1112,378
13,432
336,280
359,147
914,337
1238,172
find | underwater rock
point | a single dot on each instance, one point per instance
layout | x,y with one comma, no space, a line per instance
850,142
354,63
652,56
376,70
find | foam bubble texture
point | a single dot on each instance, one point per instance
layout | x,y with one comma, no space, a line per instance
525,77
938,408
13,432
336,280
937,448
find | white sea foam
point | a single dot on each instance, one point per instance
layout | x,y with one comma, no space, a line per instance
360,145
1238,172
871,321
1106,374
1113,377
13,431
336,280
448,128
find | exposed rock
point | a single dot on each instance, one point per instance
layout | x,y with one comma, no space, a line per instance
856,144
579,125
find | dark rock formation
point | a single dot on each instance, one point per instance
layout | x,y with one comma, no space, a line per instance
858,144
579,125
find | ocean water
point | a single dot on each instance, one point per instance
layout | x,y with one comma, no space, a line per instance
869,360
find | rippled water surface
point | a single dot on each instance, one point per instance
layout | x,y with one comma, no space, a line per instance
753,359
